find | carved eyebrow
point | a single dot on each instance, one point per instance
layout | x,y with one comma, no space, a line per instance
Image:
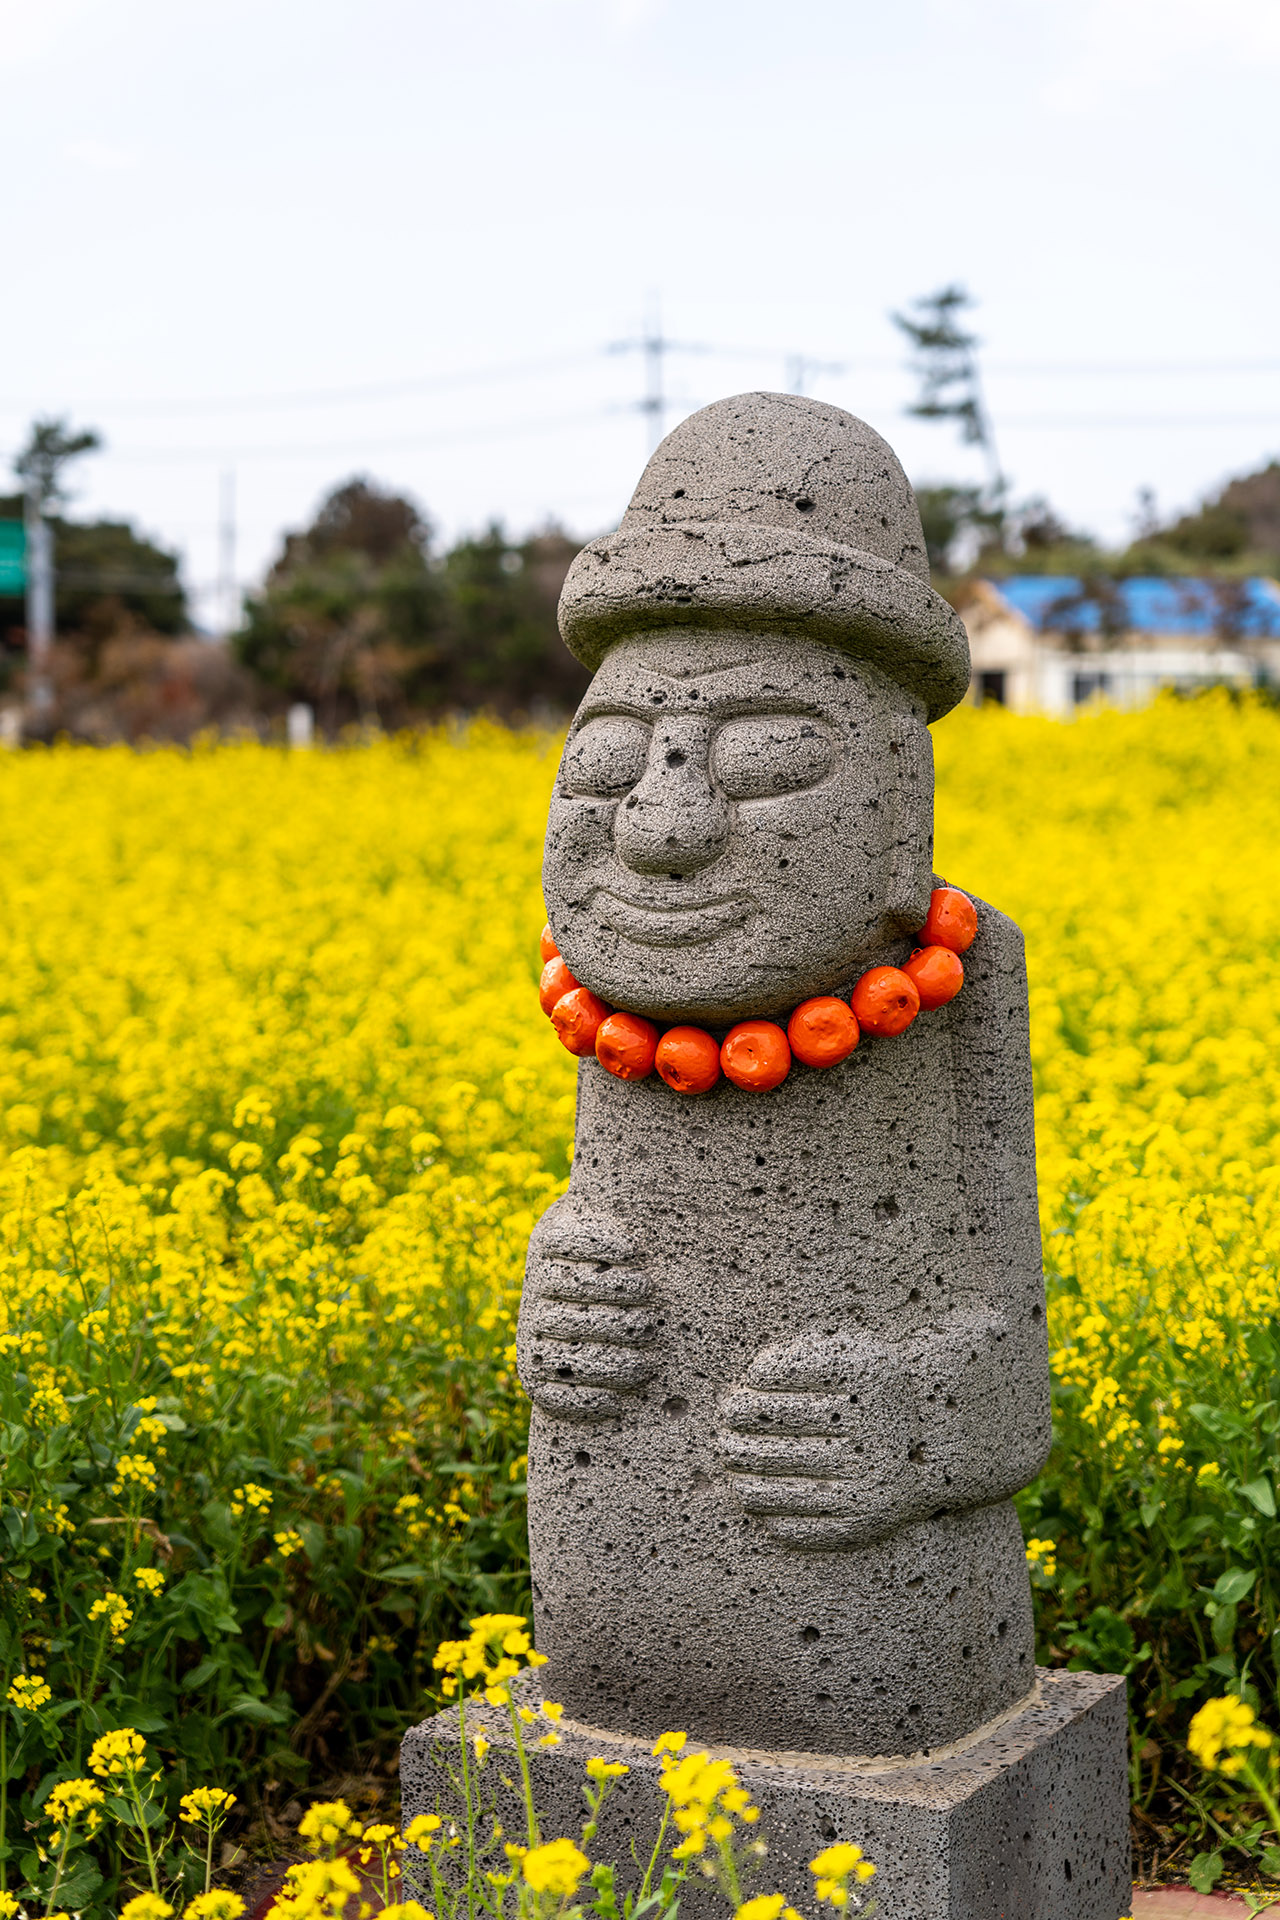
728,707
706,673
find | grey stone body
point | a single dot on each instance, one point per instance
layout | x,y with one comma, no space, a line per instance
1029,1822
786,1350
787,1357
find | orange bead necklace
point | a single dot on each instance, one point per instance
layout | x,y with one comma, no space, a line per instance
757,1054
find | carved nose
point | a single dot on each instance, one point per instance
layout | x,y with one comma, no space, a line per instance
674,821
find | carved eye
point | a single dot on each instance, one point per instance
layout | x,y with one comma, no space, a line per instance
606,757
762,754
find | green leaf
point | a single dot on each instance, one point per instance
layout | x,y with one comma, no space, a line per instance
407,1571
1231,1587
1269,1861
276,1614
199,1674
1205,1872
1221,1423
79,1885
1261,1493
245,1707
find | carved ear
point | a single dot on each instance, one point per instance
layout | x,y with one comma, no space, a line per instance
911,824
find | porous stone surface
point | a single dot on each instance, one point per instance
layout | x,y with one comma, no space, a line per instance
787,1350
1027,1821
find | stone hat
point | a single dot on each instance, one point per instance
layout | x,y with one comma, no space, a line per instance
774,511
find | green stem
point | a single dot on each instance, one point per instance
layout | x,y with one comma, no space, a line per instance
531,1818
657,1850
466,1795
208,1853
1267,1796
59,1869
730,1865
140,1809
4,1792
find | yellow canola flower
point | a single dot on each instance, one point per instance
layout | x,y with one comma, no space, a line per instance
557,1867
150,1579
327,1824
120,1753
250,1498
599,1769
74,1803
406,1910
29,1694
116,1611
146,1906
1223,1731
218,1904
422,1829
1042,1557
765,1906
204,1804
316,1890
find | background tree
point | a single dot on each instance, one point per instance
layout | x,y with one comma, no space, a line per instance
360,618
944,360
351,616
108,580
51,445
505,646
105,573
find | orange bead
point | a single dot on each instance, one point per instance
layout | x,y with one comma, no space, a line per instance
626,1044
577,1018
547,946
885,1001
938,974
952,922
822,1032
755,1055
556,980
688,1060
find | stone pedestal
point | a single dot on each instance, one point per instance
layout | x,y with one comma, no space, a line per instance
1025,1820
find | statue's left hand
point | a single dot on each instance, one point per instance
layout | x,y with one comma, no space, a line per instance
837,1439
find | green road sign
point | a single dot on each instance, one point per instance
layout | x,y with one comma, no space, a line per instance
13,557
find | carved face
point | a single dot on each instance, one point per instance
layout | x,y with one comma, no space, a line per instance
738,822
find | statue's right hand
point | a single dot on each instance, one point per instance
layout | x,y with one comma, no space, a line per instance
588,1329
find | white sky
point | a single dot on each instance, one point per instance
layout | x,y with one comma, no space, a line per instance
224,216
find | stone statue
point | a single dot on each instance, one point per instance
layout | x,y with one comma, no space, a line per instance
787,1349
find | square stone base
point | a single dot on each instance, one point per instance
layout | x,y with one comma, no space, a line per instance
1027,1820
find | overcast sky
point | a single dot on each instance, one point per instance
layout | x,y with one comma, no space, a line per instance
271,237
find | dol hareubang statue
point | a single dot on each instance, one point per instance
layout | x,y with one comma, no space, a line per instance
787,1349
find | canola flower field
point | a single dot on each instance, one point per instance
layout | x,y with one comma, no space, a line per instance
278,1110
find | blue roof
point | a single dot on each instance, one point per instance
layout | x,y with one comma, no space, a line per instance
1161,604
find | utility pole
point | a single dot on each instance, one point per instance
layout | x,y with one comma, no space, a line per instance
228,612
39,605
654,345
40,467
654,403
801,368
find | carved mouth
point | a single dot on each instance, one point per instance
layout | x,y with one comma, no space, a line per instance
649,925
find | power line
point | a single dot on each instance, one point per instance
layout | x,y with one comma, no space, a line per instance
1184,422
508,429
654,345
332,396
